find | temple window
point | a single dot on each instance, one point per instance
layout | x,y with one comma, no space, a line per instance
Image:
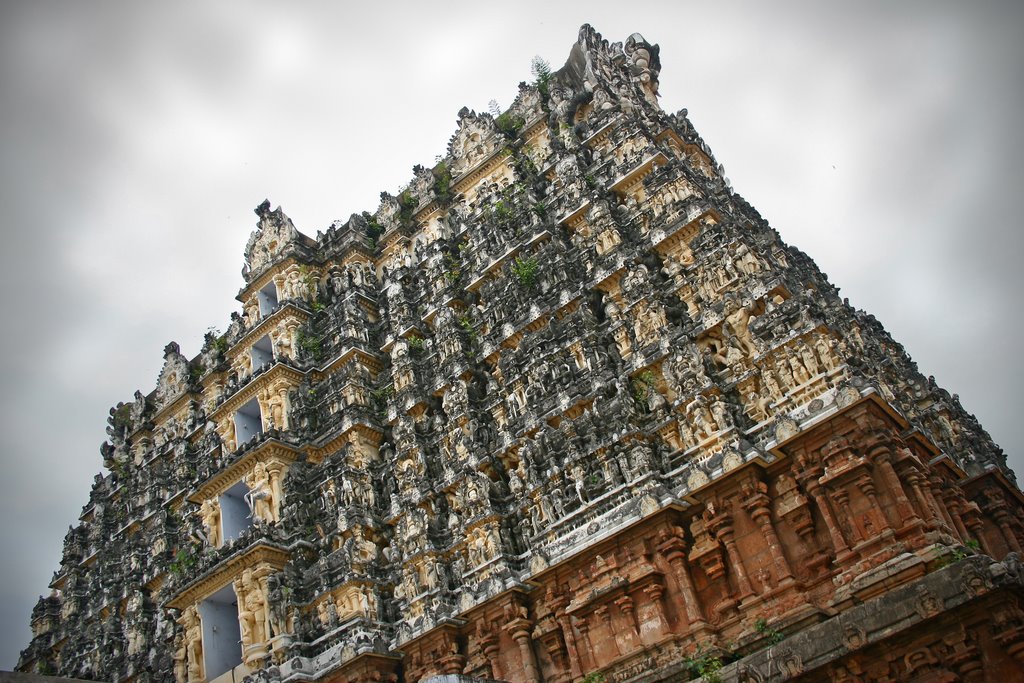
262,353
248,422
267,298
222,648
235,514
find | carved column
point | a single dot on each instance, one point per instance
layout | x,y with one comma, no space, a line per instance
935,487
520,631
626,607
916,481
453,664
964,656
721,525
757,506
841,498
605,616
674,549
570,641
1009,631
956,509
815,491
654,592
583,627
489,646
975,525
1002,519
882,457
867,486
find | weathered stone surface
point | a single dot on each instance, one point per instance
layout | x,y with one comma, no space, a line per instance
565,408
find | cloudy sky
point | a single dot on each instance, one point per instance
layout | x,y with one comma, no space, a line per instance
882,139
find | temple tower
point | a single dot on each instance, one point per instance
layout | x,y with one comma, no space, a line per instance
565,408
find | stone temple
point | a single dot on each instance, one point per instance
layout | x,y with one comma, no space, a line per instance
564,409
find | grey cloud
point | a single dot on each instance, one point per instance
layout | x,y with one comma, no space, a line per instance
881,139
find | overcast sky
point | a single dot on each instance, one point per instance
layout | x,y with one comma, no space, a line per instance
883,139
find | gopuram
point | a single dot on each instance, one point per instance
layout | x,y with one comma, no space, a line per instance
564,409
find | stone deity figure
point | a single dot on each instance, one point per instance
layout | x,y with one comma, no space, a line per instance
252,610
277,607
260,495
824,346
193,641
579,485
738,316
209,512
363,550
180,659
807,356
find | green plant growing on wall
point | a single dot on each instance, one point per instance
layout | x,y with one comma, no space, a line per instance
509,124
310,344
452,268
120,469
541,71
525,269
467,326
706,665
309,282
971,547
415,343
121,416
774,636
644,387
407,204
594,677
501,211
213,339
184,560
380,399
442,182
373,227
526,165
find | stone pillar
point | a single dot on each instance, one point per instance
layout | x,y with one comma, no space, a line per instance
721,524
1008,631
570,642
490,648
654,592
1002,519
964,657
867,486
605,616
883,461
583,627
841,498
519,629
916,480
955,504
934,488
453,664
815,491
757,506
674,549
